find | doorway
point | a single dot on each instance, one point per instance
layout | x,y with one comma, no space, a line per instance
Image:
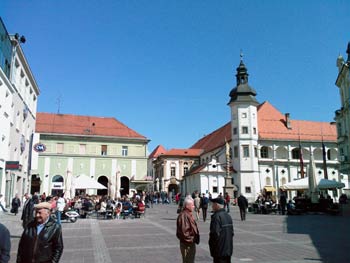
124,186
104,181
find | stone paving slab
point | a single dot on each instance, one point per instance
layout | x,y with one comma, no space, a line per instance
262,238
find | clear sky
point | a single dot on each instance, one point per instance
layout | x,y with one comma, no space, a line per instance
165,68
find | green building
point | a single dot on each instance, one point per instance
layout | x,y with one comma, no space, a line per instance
83,154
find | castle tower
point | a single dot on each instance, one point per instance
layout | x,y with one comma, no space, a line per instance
244,131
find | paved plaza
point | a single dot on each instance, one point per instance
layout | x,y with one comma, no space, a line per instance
261,238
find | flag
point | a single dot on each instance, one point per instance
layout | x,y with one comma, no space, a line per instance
302,174
324,153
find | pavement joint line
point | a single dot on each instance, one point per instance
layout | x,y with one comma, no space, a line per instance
137,235
268,243
101,253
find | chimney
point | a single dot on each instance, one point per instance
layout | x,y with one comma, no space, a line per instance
288,121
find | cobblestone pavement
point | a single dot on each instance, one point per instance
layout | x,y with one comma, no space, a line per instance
261,238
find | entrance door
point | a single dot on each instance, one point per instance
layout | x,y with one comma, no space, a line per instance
124,186
104,181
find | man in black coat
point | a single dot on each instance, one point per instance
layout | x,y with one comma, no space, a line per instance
221,233
5,244
16,203
41,241
28,210
242,204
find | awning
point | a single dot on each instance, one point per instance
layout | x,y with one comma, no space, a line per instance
85,182
269,188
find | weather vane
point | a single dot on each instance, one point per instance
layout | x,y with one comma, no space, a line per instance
241,55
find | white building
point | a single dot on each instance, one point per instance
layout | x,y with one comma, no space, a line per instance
18,105
342,116
266,149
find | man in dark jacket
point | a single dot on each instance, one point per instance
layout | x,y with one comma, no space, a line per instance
5,244
41,241
242,204
16,203
221,233
28,210
187,231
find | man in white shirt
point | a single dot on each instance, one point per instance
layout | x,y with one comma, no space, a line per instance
61,203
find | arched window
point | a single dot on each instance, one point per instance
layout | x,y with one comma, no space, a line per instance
264,152
57,179
296,153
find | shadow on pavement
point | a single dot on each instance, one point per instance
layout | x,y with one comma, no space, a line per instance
330,235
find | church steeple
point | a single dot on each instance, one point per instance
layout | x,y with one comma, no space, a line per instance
242,72
243,92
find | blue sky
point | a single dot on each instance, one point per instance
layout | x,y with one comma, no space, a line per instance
165,68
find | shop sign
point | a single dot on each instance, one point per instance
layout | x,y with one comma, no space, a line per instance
39,147
13,165
57,185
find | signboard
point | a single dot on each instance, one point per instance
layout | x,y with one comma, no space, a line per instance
13,165
39,147
57,185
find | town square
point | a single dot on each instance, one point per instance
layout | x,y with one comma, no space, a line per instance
174,131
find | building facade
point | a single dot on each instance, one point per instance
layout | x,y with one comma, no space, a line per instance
267,149
69,147
170,167
342,116
18,105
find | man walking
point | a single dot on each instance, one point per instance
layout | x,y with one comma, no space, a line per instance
197,205
227,202
221,233
41,240
61,203
283,203
16,203
204,206
5,244
242,204
28,210
187,231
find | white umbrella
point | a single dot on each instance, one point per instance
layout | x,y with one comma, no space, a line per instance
303,184
68,185
112,186
313,190
85,182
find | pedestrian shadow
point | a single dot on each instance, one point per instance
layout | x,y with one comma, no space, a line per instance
329,235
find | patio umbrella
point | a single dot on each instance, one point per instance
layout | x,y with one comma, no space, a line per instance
68,185
112,186
313,190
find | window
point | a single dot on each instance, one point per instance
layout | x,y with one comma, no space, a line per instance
248,190
255,151
235,152
244,130
245,151
185,170
124,150
172,171
59,147
234,130
254,130
244,115
103,149
296,153
328,154
215,189
264,152
82,148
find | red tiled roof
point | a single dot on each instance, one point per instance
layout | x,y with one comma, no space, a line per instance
157,151
272,126
83,125
215,139
184,152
